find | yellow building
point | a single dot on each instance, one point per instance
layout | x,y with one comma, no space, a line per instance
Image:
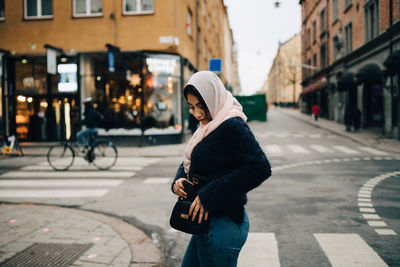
283,85
132,57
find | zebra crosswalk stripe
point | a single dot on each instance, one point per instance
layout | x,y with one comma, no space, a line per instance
273,149
372,150
298,149
321,149
348,250
260,249
53,193
346,150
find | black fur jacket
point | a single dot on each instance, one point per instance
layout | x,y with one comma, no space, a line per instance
233,162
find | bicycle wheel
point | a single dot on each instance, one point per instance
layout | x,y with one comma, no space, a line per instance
104,155
60,157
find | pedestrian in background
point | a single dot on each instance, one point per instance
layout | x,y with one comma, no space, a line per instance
315,110
348,118
356,118
224,150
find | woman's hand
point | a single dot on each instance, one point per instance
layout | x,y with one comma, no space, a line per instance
178,188
197,207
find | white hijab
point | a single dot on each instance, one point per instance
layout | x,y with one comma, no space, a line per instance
221,104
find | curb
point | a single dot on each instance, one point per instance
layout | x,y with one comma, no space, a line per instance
143,251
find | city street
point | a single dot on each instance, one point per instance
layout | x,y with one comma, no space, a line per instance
330,201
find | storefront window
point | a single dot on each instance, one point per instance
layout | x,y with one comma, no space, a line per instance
2,10
35,118
2,130
142,94
162,92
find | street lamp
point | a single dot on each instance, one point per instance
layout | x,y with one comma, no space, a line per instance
277,3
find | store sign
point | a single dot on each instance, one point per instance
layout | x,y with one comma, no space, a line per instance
68,77
215,65
111,60
51,61
161,65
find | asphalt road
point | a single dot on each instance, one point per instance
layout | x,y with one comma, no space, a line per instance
315,210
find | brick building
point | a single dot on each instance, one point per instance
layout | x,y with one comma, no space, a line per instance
344,47
132,57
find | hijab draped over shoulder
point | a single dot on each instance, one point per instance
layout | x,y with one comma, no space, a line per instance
221,104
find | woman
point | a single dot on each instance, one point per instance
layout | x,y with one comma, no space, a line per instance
223,150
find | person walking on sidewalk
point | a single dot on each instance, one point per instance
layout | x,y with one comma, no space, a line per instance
315,110
223,149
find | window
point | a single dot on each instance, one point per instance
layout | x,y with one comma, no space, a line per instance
308,38
335,10
132,7
371,20
2,15
88,8
322,21
349,37
205,49
204,8
314,28
38,9
337,45
323,56
309,70
189,23
314,62
198,42
347,4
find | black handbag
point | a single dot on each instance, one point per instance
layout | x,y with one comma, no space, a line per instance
180,219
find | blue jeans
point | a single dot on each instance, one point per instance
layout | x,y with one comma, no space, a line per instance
220,247
83,136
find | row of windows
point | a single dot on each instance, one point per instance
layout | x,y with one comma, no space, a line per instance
43,9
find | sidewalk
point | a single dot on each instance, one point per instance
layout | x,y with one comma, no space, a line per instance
76,238
363,136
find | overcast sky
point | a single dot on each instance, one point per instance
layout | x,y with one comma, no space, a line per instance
258,27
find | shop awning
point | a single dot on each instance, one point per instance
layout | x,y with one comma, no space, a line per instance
392,63
370,74
347,81
320,84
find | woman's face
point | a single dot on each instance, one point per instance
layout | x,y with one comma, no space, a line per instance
197,110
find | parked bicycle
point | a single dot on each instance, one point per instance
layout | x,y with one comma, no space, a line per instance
10,143
102,153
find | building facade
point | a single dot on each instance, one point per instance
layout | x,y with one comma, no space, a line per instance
283,85
345,45
132,57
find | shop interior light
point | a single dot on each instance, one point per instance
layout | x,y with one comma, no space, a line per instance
64,59
30,99
43,104
24,61
21,98
98,78
130,97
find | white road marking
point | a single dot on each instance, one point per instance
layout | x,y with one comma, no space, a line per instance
63,183
298,149
321,149
348,250
385,232
81,168
157,180
273,149
72,193
372,150
368,210
371,216
260,249
346,150
67,174
377,223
